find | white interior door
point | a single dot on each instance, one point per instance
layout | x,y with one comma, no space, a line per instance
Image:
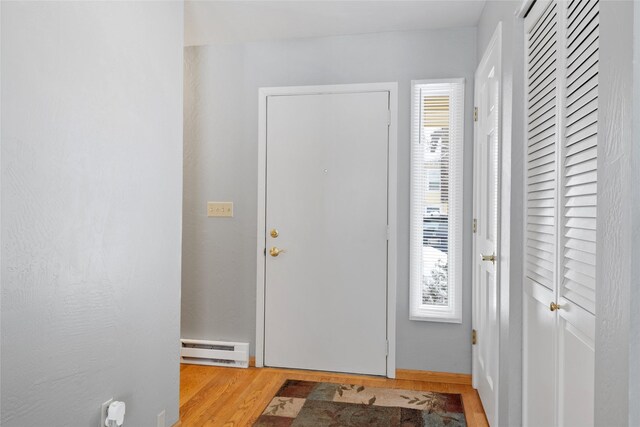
487,138
326,195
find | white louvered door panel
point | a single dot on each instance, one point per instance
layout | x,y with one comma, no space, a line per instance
577,297
541,147
580,154
542,91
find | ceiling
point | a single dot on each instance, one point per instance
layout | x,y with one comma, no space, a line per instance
232,21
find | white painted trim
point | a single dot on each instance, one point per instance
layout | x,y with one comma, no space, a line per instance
392,204
432,315
392,244
261,246
523,246
560,215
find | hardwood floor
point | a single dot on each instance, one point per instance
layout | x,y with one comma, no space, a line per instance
212,396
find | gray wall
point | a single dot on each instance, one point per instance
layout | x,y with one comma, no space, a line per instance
91,210
634,333
0,216
220,160
512,238
615,197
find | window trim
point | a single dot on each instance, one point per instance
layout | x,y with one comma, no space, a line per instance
417,311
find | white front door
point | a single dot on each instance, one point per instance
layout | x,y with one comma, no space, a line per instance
487,138
326,212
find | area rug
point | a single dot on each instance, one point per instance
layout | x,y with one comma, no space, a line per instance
314,404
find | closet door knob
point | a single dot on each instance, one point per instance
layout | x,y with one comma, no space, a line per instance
553,306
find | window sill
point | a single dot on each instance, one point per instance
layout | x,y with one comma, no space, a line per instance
436,318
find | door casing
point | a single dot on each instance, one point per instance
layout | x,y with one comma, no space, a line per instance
392,203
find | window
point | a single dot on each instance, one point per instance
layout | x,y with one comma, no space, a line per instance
437,123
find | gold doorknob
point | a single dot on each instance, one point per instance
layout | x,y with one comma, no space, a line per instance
553,306
274,233
491,258
275,251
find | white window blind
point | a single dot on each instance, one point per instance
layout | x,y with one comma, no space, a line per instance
437,125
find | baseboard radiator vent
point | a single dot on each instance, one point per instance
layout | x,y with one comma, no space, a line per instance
215,353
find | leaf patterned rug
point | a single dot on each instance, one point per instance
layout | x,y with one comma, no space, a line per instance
314,404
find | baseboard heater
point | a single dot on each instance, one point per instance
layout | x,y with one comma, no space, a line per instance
215,353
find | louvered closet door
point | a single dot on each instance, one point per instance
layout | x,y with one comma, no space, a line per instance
559,309
541,69
576,316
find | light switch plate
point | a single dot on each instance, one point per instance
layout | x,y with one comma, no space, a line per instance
220,209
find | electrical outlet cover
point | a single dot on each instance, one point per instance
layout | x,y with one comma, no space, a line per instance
103,411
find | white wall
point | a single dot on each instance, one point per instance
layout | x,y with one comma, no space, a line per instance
91,210
221,134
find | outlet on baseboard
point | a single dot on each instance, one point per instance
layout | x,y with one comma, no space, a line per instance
161,419
103,411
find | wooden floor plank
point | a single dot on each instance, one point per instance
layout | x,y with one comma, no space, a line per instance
192,381
230,397
222,383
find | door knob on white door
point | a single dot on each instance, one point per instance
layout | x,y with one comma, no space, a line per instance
275,251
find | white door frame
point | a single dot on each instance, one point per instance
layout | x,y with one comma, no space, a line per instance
392,203
502,221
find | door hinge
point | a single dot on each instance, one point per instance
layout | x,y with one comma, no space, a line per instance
386,351
388,117
265,251
475,114
474,337
388,233
475,225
